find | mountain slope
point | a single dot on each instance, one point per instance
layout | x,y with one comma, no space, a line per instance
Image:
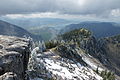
50,66
106,50
38,26
13,30
47,33
111,48
79,54
99,29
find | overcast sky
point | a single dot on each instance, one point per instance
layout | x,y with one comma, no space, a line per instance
60,8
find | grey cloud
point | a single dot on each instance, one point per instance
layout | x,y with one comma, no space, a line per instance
98,7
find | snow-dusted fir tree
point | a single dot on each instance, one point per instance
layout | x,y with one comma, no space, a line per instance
43,46
40,46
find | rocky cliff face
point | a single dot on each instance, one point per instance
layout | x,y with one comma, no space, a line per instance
14,55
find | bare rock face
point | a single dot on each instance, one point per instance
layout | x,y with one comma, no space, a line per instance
14,56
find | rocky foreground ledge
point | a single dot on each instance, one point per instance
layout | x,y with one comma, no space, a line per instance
14,56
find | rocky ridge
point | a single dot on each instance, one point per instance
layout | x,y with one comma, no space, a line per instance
76,48
50,66
14,56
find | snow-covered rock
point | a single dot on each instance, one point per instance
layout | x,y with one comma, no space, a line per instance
14,56
52,66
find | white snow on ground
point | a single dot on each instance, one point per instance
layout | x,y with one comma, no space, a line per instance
92,62
66,68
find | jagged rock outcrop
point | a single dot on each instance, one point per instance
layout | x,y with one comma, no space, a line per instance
14,56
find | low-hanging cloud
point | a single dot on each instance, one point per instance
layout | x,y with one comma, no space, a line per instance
74,7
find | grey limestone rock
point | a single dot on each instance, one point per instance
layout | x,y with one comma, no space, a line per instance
14,56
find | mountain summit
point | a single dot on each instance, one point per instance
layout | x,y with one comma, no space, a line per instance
99,29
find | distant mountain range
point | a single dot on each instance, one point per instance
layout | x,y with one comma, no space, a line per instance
47,28
13,30
99,29
36,22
